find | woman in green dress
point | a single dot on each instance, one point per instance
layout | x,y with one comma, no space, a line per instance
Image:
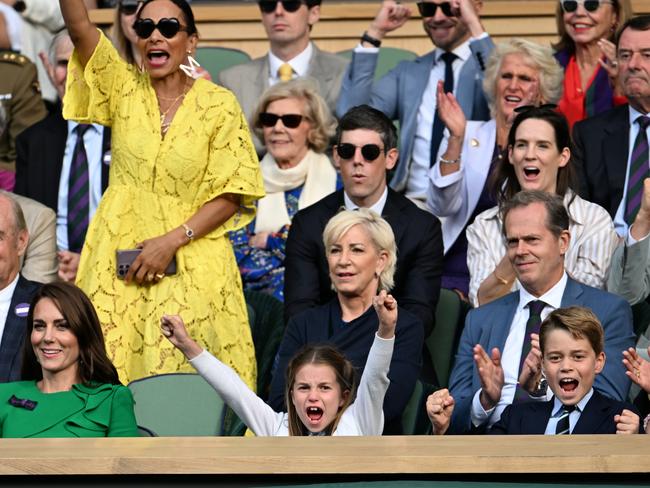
70,388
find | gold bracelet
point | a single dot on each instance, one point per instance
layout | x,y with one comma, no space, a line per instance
502,280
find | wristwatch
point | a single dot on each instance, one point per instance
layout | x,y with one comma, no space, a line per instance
541,388
189,233
370,40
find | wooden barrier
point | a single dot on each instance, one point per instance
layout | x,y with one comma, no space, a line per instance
238,25
425,456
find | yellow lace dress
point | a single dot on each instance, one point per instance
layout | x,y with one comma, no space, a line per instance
155,185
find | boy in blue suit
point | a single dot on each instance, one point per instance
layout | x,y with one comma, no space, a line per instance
570,354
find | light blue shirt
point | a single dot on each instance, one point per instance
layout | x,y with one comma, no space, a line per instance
93,141
573,416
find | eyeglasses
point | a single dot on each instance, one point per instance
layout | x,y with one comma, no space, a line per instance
589,5
129,7
167,27
370,152
290,121
269,6
428,9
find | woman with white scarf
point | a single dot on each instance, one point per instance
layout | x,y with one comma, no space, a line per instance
296,126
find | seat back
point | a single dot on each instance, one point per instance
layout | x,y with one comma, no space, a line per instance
177,404
215,59
415,420
443,341
388,58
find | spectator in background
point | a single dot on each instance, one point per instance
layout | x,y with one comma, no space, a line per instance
123,35
408,92
46,153
539,158
16,292
70,388
366,149
587,54
291,54
20,96
361,256
518,73
295,124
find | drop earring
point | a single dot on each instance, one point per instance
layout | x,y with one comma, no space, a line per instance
191,69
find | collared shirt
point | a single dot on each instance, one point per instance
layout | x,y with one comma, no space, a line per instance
377,207
573,416
592,244
6,294
619,219
93,141
511,354
299,64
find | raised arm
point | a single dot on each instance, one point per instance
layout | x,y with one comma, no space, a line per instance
82,31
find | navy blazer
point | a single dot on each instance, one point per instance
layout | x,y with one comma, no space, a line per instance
13,336
419,257
489,325
532,417
39,159
601,146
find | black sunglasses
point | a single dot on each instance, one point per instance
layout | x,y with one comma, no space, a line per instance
129,7
428,9
589,5
370,152
269,6
167,27
290,121
528,108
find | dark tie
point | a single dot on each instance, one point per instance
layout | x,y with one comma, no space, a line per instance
78,193
639,170
535,308
563,427
438,124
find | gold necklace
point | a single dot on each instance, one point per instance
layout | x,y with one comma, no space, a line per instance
164,125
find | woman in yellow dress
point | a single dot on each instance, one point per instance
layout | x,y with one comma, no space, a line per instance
183,174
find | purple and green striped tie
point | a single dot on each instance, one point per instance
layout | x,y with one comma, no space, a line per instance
78,193
639,170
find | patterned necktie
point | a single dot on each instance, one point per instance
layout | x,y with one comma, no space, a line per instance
639,170
78,193
438,124
285,72
535,308
563,427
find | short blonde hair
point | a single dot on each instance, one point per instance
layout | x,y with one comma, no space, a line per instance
551,74
316,110
380,233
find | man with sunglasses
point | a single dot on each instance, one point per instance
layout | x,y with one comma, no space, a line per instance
288,24
408,92
365,150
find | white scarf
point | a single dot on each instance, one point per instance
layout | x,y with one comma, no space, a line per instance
315,171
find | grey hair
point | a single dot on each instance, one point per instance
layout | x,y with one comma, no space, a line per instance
551,74
59,36
17,212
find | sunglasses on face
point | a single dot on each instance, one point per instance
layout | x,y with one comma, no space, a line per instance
167,27
370,152
428,9
290,121
589,5
269,6
129,7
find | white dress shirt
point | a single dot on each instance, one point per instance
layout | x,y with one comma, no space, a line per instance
377,207
511,354
573,416
5,302
299,64
93,141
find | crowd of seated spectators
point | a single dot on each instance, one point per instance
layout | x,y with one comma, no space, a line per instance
143,198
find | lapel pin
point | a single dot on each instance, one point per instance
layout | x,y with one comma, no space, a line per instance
473,142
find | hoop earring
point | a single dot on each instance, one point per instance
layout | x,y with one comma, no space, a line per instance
191,69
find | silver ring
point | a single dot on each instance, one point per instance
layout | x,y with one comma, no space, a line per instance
614,64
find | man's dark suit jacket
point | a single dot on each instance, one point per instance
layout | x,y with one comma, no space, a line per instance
39,159
601,146
419,257
532,417
13,337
